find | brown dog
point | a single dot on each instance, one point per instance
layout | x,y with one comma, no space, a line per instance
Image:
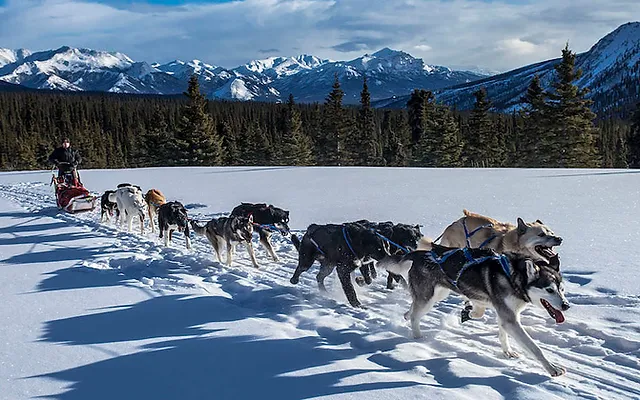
154,199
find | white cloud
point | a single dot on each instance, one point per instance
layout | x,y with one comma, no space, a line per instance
517,46
422,47
495,35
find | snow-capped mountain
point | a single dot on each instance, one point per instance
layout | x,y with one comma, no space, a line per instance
611,71
307,77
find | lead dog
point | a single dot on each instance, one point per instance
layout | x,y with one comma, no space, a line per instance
267,219
130,203
154,199
506,283
230,231
534,240
173,216
343,247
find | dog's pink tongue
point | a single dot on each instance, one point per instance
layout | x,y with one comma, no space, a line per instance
559,316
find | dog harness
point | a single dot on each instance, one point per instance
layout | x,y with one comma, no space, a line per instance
317,246
468,235
348,241
501,258
405,250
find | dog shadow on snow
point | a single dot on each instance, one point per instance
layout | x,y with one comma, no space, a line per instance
194,355
210,363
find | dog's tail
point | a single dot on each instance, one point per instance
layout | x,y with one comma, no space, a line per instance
199,230
296,241
425,243
396,264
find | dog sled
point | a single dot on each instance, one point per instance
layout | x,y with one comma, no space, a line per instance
71,195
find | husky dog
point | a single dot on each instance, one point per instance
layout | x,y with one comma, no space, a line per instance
345,247
507,283
533,240
402,238
230,230
154,199
173,216
130,203
267,219
107,208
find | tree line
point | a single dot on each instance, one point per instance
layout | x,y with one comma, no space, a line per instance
554,128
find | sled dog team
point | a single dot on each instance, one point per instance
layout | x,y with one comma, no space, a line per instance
491,264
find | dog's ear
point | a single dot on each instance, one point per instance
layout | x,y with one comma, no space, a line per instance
533,271
540,222
522,227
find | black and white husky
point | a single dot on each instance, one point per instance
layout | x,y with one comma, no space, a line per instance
173,216
230,230
506,283
266,220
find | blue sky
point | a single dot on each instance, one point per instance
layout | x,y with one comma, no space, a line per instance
496,35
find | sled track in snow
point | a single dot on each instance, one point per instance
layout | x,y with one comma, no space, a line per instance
596,360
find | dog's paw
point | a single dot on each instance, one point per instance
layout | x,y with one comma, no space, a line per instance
511,354
556,370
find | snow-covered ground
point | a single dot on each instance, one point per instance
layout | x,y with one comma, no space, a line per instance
92,312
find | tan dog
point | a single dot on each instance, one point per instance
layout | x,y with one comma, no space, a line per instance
532,240
154,199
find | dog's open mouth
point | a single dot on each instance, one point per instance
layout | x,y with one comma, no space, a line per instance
546,252
555,314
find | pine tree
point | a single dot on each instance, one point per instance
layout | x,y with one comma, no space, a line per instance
633,143
367,148
537,141
480,136
230,143
197,139
297,145
571,119
336,126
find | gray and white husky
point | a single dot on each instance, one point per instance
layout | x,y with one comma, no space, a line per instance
507,283
231,230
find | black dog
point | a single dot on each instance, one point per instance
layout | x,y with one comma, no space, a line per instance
402,238
107,208
173,216
267,219
344,247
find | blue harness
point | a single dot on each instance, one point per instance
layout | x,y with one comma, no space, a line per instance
348,241
468,235
501,258
405,250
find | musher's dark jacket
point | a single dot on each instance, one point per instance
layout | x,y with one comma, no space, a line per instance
68,155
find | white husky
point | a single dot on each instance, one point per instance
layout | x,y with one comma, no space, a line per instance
131,203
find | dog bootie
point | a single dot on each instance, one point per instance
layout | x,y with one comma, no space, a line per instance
465,314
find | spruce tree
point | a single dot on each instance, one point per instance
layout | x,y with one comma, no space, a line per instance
297,145
633,143
336,126
197,139
367,148
536,141
480,136
571,119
